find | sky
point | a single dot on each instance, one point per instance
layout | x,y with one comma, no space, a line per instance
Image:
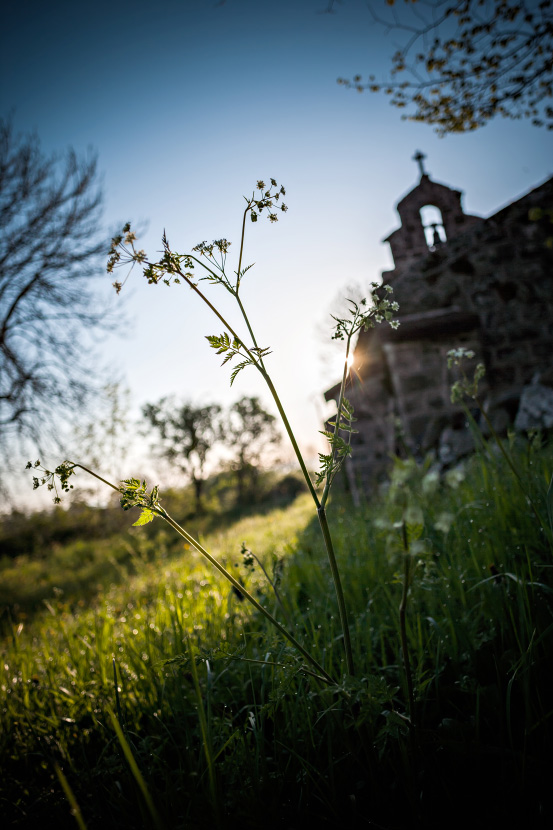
188,103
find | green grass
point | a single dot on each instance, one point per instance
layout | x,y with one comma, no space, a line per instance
219,725
76,553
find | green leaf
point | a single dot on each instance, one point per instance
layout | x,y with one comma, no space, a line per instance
145,518
247,268
347,409
238,369
414,526
327,434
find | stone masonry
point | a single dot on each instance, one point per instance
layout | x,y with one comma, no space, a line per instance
486,284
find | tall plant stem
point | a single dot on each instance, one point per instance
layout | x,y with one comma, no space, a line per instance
268,380
95,475
508,459
320,505
266,377
326,490
248,324
237,290
402,624
321,513
204,728
242,237
321,673
292,438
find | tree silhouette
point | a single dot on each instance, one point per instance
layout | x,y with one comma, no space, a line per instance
248,430
50,251
186,434
463,62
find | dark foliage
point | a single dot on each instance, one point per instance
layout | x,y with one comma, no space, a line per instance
462,62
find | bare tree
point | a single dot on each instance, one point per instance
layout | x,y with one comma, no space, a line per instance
186,435
249,430
50,251
462,62
104,437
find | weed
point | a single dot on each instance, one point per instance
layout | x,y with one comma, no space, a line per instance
210,259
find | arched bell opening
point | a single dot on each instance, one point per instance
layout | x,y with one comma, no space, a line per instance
433,226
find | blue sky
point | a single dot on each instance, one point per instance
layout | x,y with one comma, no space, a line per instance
188,104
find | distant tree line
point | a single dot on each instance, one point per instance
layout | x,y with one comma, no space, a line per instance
186,436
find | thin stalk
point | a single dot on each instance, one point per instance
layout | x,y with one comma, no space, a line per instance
508,459
322,674
402,624
269,663
91,473
252,335
326,490
319,505
138,777
204,728
338,587
70,795
292,438
273,586
238,300
116,686
269,383
321,514
241,247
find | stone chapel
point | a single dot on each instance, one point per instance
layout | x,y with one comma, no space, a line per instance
460,280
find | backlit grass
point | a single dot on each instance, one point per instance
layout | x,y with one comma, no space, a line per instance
222,725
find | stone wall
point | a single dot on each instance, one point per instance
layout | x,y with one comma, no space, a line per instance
488,288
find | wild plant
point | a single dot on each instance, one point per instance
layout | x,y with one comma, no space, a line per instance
466,387
407,526
207,262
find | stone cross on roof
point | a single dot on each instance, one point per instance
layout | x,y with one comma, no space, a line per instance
419,157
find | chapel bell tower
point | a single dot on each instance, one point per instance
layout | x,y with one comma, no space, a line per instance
430,215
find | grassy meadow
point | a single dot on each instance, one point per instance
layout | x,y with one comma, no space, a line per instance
139,690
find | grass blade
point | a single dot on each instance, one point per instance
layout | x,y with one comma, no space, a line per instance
135,771
70,795
203,727
549,503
